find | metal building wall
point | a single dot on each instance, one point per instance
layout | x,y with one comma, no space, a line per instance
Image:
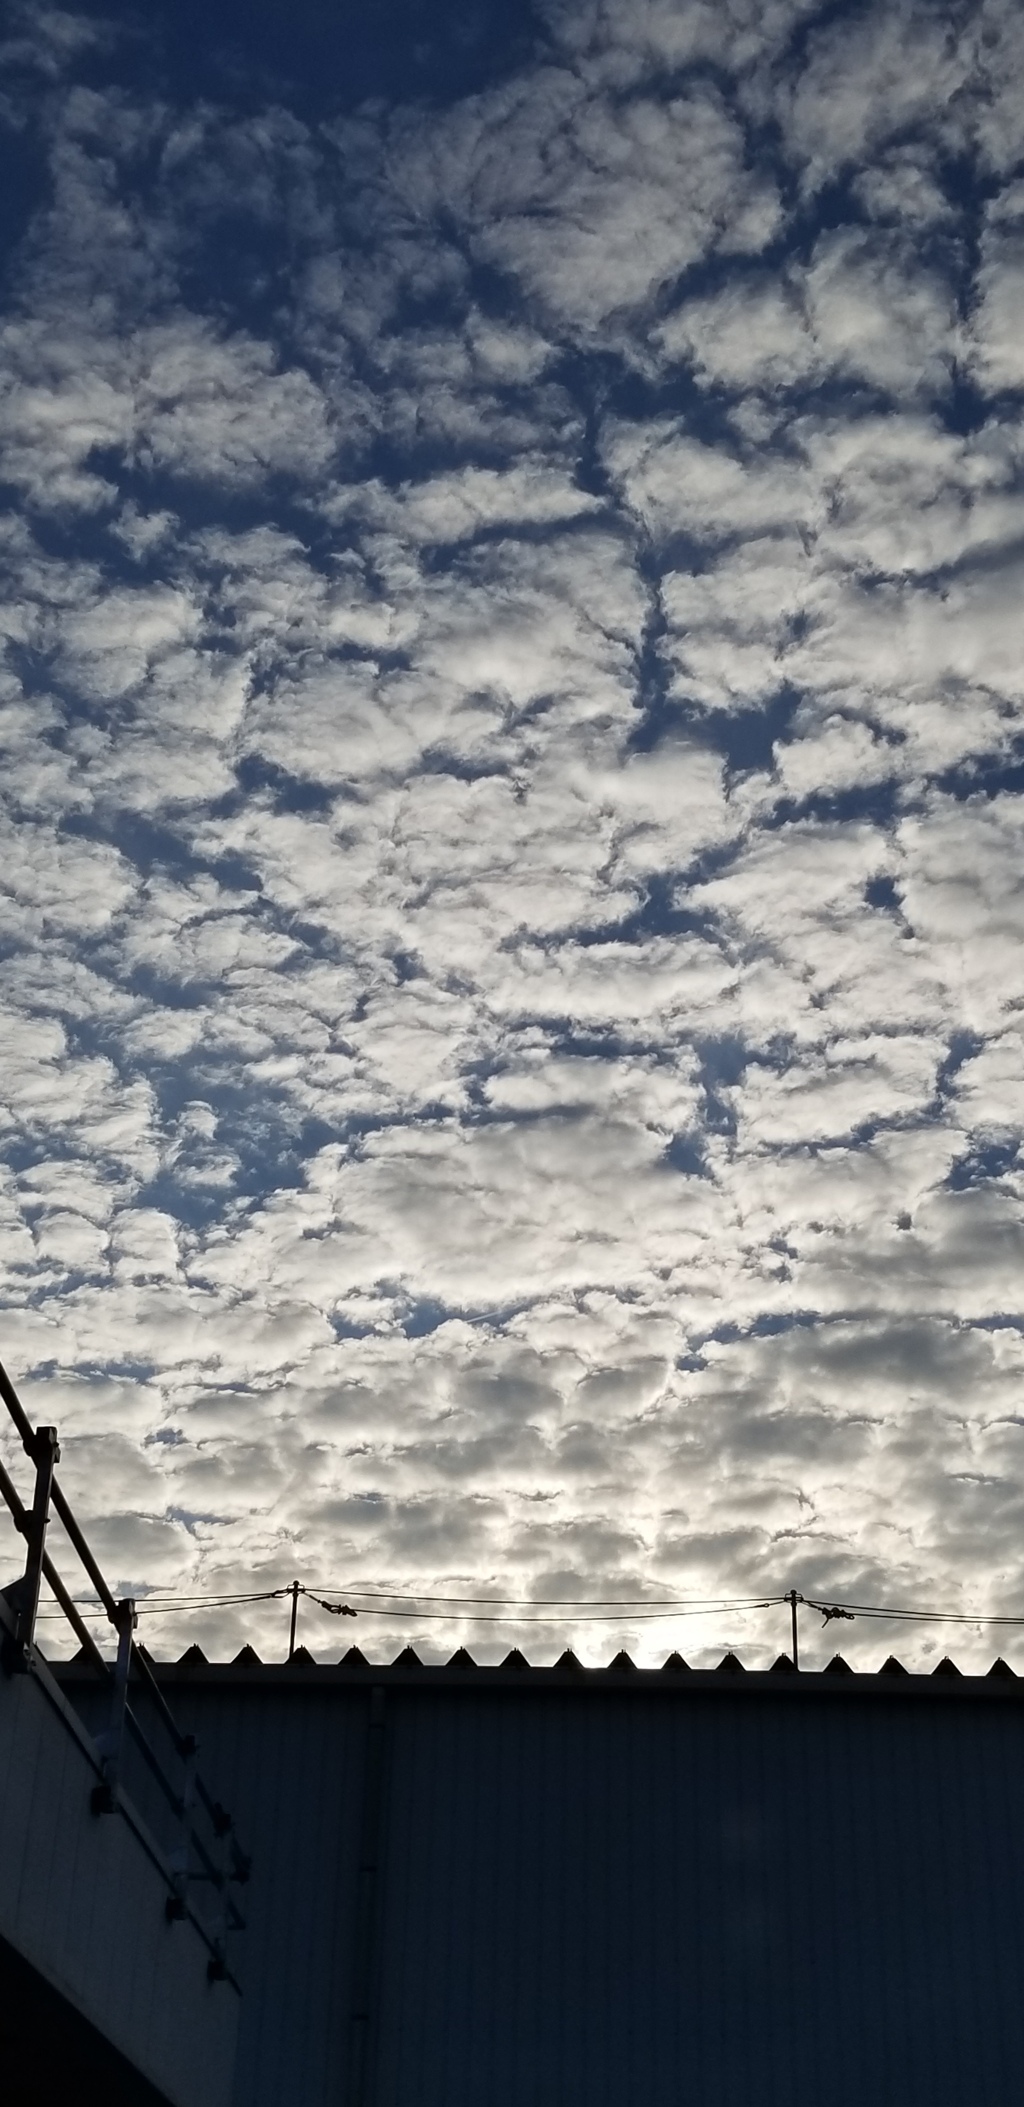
484,1888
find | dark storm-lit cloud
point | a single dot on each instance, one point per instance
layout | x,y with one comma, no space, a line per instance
512,731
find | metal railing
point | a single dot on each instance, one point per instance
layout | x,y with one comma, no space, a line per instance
204,1848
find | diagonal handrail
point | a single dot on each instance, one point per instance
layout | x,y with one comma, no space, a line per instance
81,1630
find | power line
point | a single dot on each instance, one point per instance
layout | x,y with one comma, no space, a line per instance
918,1616
524,1609
645,1615
608,1607
146,1608
721,1602
379,1601
667,1603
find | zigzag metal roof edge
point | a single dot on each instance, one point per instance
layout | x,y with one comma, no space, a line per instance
996,1685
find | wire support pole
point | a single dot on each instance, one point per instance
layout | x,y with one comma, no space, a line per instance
294,1591
794,1598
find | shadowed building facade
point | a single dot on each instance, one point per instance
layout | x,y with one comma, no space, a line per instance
503,1887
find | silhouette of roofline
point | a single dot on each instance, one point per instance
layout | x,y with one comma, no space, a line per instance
675,1679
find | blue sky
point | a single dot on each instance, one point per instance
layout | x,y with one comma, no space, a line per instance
513,739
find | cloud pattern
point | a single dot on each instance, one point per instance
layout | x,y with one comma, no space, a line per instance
513,739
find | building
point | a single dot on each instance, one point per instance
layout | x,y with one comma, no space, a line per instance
504,1886
514,1886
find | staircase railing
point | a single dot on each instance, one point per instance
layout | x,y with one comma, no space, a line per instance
205,1848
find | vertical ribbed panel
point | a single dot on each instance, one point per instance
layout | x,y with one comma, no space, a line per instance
289,1763
621,1901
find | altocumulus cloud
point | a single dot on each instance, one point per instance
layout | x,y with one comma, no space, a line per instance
513,855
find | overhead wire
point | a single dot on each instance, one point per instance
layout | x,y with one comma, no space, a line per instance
624,1602
640,1615
912,1616
380,1601
609,1607
379,1594
145,1607
536,1610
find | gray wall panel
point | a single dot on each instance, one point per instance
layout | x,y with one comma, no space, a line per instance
289,1764
594,1898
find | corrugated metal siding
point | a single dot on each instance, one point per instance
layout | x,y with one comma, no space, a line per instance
616,1899
627,1892
292,1773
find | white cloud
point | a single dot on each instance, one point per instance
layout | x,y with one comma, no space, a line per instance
55,882
996,116
994,336
593,201
220,409
56,411
753,334
456,507
851,1087
733,624
878,317
863,307
875,77
679,484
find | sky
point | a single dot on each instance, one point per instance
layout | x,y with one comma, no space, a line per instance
513,748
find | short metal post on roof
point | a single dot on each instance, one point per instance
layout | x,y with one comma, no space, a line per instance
45,1453
294,1591
793,1598
104,1797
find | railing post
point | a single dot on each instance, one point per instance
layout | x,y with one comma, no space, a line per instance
104,1796
44,1450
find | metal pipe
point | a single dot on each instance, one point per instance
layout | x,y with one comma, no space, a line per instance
81,1631
79,1543
179,1739
152,1760
104,1799
27,1432
19,1513
15,1408
45,1453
